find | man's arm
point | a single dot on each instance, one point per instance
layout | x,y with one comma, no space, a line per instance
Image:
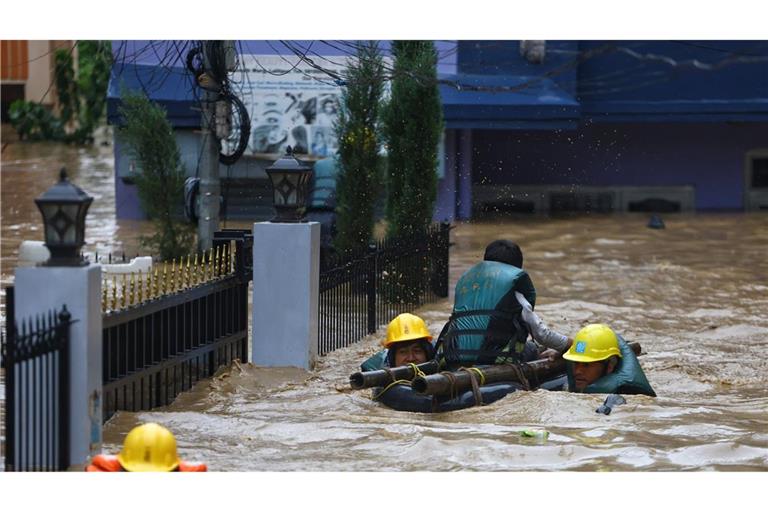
539,330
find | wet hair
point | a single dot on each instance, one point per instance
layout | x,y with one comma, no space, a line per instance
429,349
504,251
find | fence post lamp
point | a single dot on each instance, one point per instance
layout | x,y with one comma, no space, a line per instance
290,180
64,207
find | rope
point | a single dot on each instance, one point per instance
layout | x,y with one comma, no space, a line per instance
536,380
391,375
473,376
452,379
521,377
402,381
479,373
416,370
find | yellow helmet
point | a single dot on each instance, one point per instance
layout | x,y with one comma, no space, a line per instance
149,447
595,342
406,327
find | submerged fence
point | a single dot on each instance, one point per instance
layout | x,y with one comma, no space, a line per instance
36,364
359,292
164,331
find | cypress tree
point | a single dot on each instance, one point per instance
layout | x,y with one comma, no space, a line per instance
413,122
359,177
160,180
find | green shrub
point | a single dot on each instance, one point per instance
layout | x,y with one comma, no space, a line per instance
160,177
82,98
34,122
413,122
357,129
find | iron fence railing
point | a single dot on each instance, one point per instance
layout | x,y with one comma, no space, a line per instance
35,358
178,329
362,291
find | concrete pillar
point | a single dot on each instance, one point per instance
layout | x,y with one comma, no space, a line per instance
286,287
40,289
464,176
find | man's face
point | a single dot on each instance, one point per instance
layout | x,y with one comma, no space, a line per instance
409,352
585,374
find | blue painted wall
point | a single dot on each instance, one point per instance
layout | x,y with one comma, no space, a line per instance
593,113
708,156
650,113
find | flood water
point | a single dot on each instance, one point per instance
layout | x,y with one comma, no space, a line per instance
695,295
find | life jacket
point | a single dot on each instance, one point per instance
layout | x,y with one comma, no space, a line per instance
109,463
627,378
486,326
376,362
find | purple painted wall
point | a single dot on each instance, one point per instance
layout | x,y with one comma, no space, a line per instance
707,156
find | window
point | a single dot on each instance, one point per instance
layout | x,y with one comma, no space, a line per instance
759,172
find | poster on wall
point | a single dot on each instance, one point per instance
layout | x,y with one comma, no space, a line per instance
290,104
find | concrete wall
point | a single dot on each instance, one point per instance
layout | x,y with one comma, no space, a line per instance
709,157
247,168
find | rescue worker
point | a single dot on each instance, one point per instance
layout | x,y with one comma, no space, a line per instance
602,362
408,341
148,447
486,325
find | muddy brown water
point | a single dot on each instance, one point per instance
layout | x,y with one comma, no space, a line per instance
695,295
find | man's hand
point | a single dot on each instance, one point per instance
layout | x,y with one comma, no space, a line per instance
539,329
550,354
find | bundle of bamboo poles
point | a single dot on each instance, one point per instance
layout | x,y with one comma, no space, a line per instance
425,379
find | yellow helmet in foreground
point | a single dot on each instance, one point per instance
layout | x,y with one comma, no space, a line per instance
149,447
406,327
595,342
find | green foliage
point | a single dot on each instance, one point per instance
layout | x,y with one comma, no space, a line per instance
160,180
34,122
66,87
359,176
82,98
413,123
94,62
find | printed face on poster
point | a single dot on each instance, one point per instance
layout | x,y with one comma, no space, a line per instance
290,103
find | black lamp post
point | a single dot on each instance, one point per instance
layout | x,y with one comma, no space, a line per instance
64,207
290,180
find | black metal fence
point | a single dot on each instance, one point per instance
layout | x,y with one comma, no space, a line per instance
157,349
394,276
36,364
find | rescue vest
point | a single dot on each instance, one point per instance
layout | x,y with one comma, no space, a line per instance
376,362
627,378
486,326
110,464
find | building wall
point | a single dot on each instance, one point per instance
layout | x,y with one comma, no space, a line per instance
32,63
40,73
13,61
708,156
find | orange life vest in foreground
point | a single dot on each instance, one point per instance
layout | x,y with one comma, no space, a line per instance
109,463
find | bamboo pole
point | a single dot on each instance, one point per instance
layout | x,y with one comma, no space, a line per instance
460,381
362,380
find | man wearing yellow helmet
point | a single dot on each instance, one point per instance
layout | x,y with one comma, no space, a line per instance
148,447
408,341
600,361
